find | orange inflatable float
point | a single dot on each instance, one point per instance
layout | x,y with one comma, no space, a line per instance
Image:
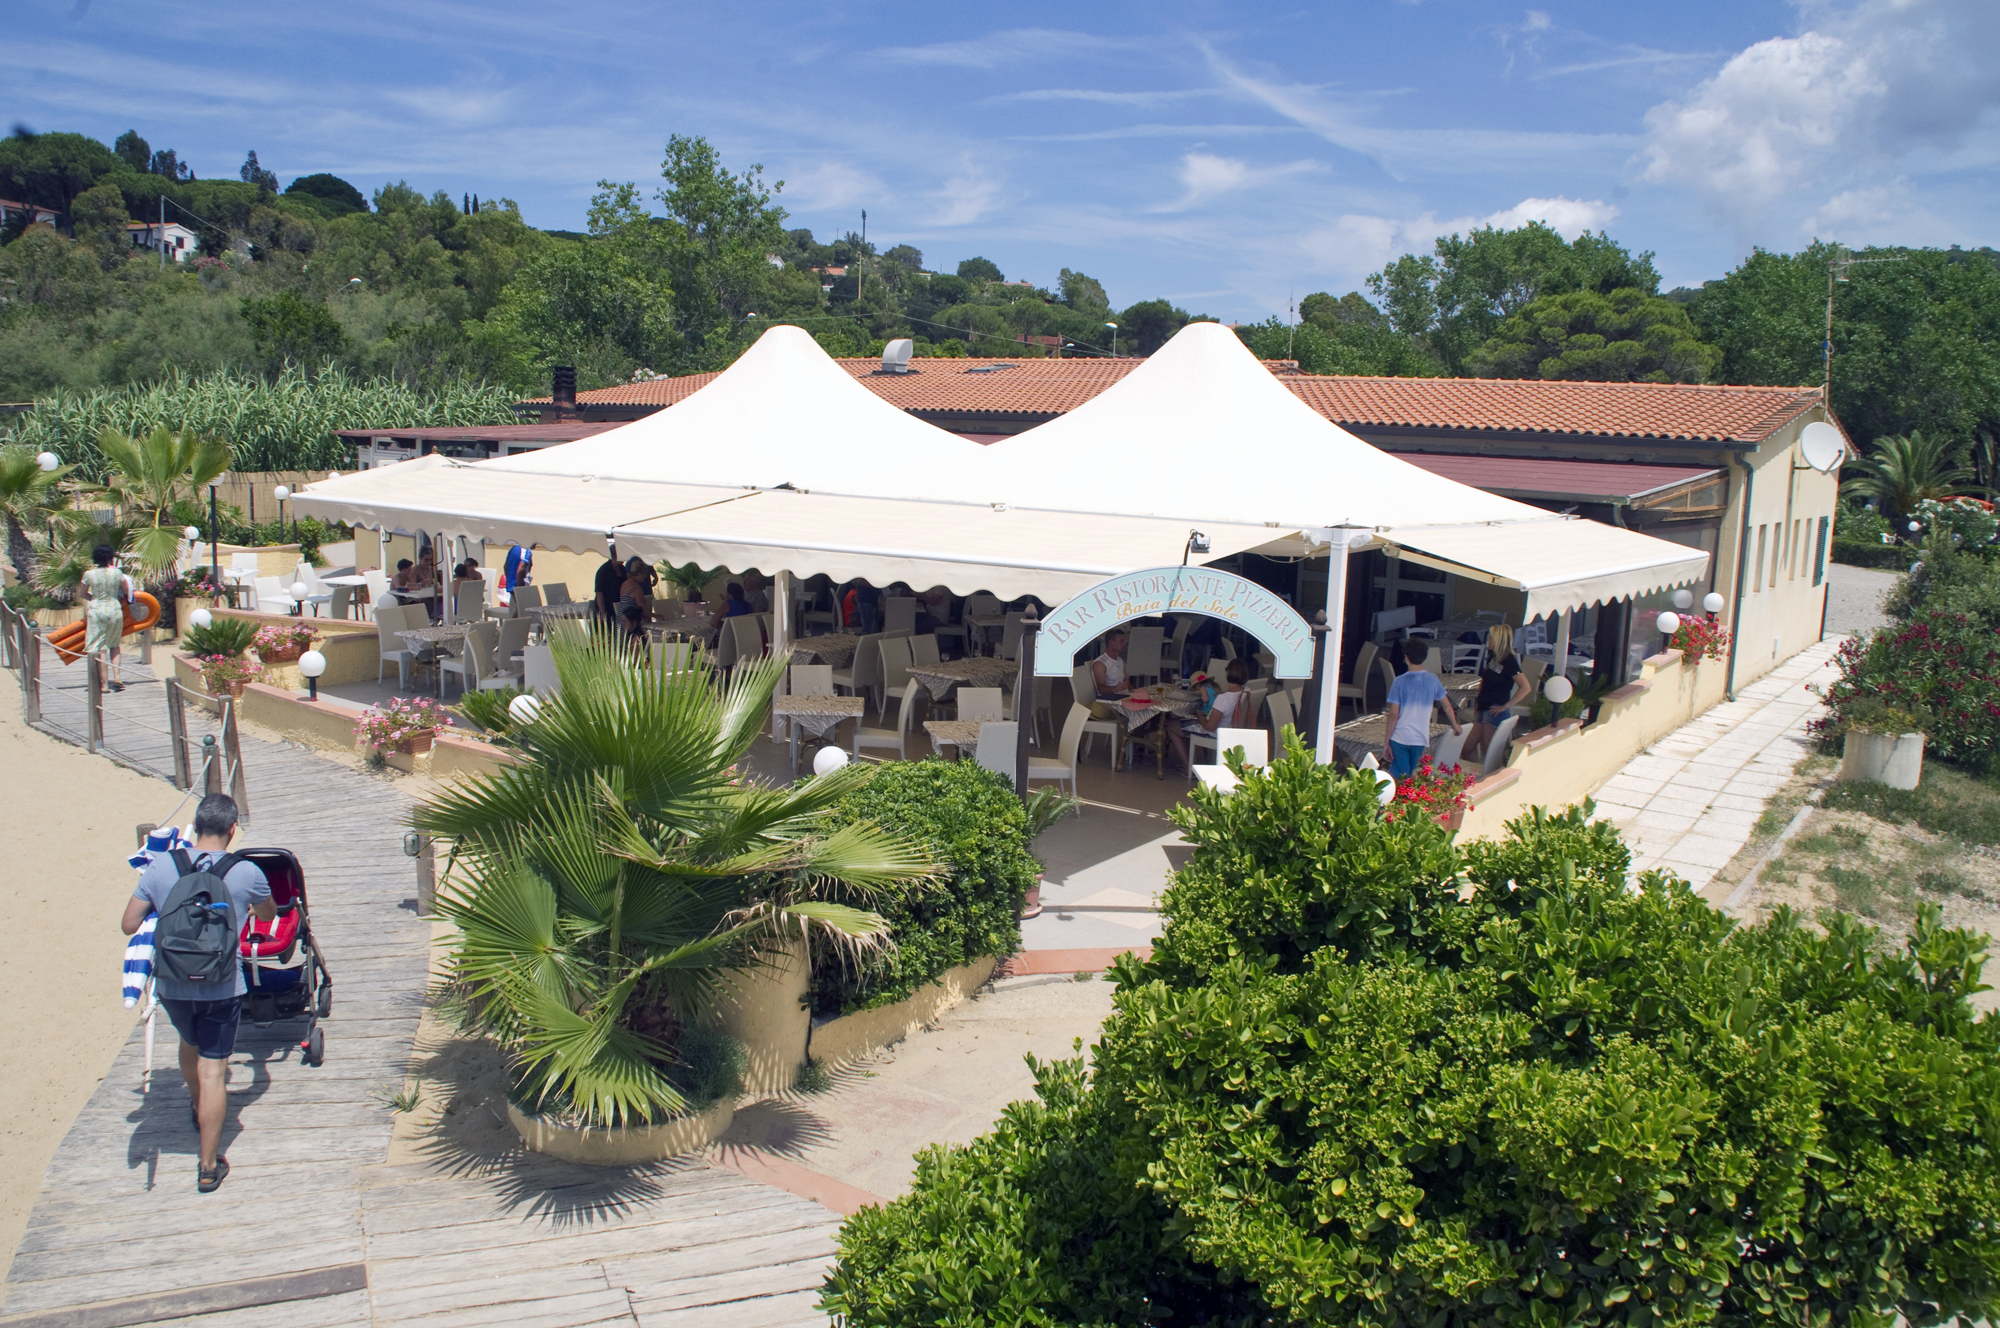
140,614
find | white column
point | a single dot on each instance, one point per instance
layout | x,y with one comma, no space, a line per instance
1329,679
781,640
1561,663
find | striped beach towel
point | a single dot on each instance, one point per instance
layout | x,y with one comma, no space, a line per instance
139,950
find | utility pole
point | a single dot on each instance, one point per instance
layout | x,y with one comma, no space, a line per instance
1836,270
163,230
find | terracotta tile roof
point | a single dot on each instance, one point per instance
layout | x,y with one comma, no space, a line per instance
1555,478
1051,387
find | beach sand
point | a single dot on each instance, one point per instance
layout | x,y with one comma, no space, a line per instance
66,885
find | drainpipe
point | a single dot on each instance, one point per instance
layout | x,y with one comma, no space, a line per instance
1742,564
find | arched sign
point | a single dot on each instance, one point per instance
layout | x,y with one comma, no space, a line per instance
1159,590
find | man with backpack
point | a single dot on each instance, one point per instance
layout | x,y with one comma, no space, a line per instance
204,899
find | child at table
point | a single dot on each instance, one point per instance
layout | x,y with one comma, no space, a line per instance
1226,709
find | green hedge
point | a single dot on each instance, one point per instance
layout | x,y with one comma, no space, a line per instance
970,819
1375,1080
1889,557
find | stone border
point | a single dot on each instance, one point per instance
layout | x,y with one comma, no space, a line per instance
849,1036
622,1147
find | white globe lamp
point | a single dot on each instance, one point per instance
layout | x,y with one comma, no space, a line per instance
281,493
1558,689
1713,602
829,759
200,618
311,665
523,709
1916,526
1683,600
191,534
48,460
1668,623
1385,787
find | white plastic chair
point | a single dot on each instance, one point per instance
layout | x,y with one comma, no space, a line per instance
378,585
513,641
812,680
895,679
468,601
341,602
980,703
473,663
997,739
1010,637
1496,746
1171,653
1450,748
1083,690
1142,652
1279,706
1061,767
899,614
318,592
864,671
1206,742
527,597
924,650
1357,691
273,597
1468,658
898,737
388,619
1256,755
538,670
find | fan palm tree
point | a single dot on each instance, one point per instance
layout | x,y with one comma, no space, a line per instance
148,476
29,497
603,886
1902,471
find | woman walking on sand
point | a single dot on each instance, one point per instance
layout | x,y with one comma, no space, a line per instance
104,620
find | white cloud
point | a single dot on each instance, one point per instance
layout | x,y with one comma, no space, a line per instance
1001,48
965,197
829,184
1206,176
1570,217
1858,96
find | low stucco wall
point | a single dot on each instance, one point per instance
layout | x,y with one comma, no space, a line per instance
1562,765
764,1008
852,1035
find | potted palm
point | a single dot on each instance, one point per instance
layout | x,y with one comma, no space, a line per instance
1045,806
615,889
218,650
691,580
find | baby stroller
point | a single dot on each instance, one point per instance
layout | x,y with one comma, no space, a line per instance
282,964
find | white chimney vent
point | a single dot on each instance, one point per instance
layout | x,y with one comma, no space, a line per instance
896,356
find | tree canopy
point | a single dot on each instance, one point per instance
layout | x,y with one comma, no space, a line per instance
1625,336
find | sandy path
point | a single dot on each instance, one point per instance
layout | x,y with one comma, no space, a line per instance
65,885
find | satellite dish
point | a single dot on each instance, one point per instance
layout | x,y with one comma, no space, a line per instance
1822,447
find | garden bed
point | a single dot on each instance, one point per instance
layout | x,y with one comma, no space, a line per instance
850,1036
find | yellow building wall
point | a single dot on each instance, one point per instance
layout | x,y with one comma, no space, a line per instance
1779,610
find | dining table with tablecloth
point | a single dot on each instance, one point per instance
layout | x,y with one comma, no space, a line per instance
944,678
962,734
1362,737
1137,712
816,714
835,649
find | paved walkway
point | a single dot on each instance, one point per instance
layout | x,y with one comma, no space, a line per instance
1690,801
318,1223
1854,598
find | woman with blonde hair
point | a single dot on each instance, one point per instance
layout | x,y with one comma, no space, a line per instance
1502,685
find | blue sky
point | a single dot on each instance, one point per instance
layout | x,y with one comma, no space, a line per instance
1226,156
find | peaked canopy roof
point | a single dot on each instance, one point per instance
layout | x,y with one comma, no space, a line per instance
783,414
1202,432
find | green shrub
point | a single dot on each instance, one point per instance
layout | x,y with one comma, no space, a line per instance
966,818
222,636
488,710
1370,1079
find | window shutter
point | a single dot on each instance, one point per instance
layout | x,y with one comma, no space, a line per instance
1819,560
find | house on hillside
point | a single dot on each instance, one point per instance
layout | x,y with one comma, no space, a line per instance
1714,468
9,209
181,243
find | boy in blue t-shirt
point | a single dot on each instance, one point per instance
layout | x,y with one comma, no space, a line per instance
1411,696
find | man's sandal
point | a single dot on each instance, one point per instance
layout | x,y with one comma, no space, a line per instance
209,1179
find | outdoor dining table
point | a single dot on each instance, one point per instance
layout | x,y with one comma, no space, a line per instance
942,679
1359,738
960,733
988,626
441,635
1162,703
833,648
816,713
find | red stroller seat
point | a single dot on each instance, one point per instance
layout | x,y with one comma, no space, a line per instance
273,939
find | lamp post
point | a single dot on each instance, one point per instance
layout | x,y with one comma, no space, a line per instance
214,557
281,493
311,665
1668,623
299,592
1114,339
48,461
1024,699
1196,543
1713,602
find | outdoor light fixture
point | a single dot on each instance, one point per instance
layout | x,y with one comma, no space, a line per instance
829,759
1114,339
1558,689
523,709
311,665
1683,600
1196,543
1668,623
299,592
1915,526
191,534
281,493
200,618
48,460
1385,787
1714,602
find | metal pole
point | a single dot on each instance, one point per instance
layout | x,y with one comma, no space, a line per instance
214,556
1024,700
1336,618
1310,717
1562,646
93,702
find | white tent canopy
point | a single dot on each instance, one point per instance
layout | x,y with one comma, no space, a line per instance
1562,564
783,414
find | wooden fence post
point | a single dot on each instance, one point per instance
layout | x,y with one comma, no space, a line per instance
177,733
93,703
10,654
232,747
31,672
211,765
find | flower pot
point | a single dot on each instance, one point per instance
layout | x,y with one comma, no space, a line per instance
417,743
1895,759
281,654
626,1146
1031,907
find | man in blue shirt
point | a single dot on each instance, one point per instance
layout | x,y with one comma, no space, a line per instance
205,1018
1411,696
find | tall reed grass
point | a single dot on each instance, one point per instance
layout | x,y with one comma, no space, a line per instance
283,424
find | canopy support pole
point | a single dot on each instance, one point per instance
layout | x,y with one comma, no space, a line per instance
1330,647
1024,699
781,641
1561,660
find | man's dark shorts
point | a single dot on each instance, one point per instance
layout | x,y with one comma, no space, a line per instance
209,1025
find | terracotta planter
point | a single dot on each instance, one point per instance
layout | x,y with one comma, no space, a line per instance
417,743
622,1147
1031,907
282,654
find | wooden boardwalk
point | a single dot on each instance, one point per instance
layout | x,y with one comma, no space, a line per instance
315,1226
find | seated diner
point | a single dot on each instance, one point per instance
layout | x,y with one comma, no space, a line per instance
1224,708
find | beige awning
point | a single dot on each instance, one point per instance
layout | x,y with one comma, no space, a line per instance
963,547
1562,563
